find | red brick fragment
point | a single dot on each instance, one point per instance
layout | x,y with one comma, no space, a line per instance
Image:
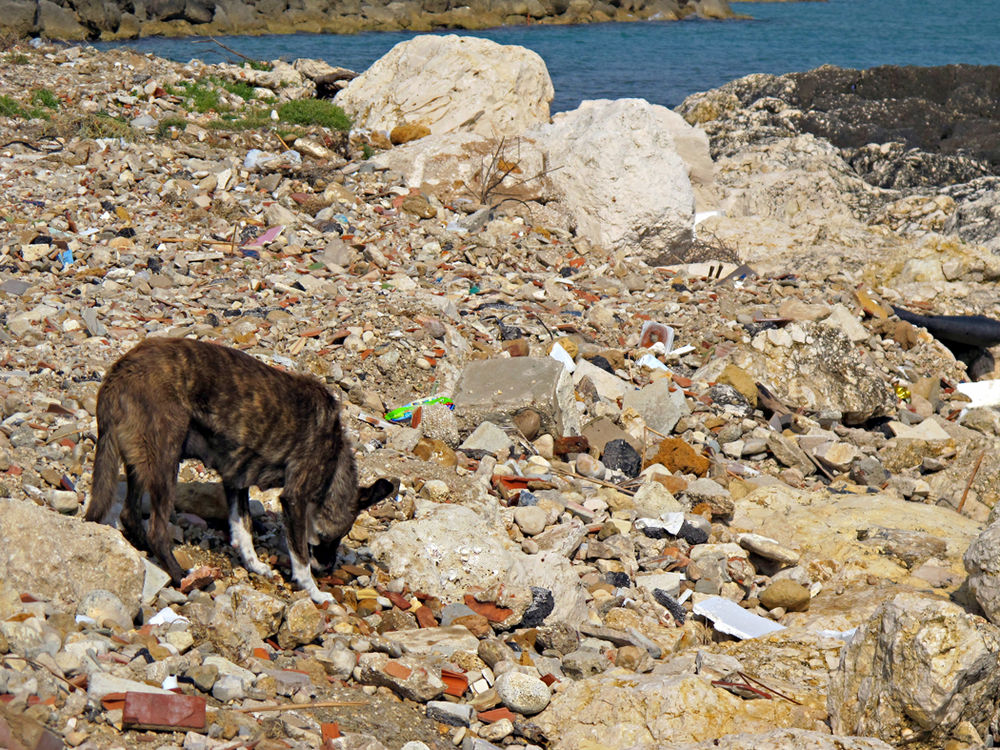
199,578
425,618
457,682
496,714
172,713
571,444
331,730
113,701
489,610
398,600
397,670
549,679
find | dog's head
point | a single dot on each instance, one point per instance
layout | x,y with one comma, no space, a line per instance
324,542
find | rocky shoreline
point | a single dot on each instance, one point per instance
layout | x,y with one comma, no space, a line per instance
75,20
701,487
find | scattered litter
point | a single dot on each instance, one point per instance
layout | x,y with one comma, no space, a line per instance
264,238
561,355
983,393
651,362
669,522
730,618
167,616
653,333
405,413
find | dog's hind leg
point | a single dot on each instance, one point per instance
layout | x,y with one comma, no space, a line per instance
131,517
239,530
161,496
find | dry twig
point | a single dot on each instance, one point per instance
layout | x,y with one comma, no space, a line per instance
968,485
297,706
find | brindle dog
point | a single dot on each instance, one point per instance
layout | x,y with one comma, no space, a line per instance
169,399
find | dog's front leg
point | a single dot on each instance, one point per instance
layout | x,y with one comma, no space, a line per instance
239,530
297,536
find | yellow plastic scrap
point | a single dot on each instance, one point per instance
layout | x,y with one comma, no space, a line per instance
902,392
870,306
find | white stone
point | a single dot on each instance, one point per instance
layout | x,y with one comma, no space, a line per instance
451,83
522,693
617,172
530,519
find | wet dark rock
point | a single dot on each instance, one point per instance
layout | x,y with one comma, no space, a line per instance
598,361
542,604
692,534
940,121
618,580
620,456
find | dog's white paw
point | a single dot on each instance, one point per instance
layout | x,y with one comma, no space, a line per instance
321,597
261,568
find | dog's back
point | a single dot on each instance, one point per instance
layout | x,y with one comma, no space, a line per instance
170,399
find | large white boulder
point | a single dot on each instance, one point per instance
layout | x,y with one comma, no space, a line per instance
451,83
615,167
625,172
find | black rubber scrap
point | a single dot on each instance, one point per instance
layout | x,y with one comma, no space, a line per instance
971,330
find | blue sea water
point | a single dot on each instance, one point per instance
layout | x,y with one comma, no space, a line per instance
664,62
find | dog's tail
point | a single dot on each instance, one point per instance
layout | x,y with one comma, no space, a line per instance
105,484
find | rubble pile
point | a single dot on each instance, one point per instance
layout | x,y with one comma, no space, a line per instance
654,507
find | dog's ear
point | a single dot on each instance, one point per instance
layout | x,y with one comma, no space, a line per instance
379,490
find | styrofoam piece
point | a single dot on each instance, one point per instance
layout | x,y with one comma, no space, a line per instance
648,360
669,522
561,355
981,393
680,351
167,616
730,618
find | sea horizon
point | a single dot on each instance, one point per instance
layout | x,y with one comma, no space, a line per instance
666,61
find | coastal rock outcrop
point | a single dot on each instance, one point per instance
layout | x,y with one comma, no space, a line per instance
936,114
905,147
123,19
449,84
